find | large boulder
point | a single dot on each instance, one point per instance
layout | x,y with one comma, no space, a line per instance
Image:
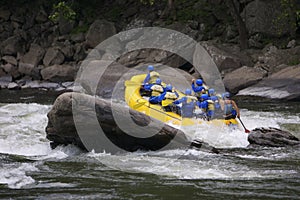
284,84
53,56
13,45
272,137
31,59
99,31
87,134
227,58
260,15
58,73
242,78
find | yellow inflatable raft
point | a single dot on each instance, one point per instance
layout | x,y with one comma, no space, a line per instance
138,103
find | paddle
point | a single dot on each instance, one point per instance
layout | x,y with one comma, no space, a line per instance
246,130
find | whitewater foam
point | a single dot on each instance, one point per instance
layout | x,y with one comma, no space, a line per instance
15,175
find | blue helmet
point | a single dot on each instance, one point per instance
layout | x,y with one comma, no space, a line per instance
199,82
225,95
150,67
188,92
158,81
211,91
214,98
169,87
204,97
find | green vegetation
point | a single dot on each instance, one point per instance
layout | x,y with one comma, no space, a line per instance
62,10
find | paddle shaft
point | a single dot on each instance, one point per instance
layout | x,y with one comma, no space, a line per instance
246,130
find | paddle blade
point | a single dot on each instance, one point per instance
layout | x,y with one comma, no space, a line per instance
247,131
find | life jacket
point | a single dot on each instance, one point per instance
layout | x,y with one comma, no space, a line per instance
188,106
169,98
153,76
211,105
228,108
156,90
216,101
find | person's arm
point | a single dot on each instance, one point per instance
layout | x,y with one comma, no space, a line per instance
236,108
177,95
179,100
162,96
147,79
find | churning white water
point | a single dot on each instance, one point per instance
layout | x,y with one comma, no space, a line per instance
22,133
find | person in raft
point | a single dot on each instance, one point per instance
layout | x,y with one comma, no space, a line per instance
207,106
168,97
230,108
188,104
150,78
198,88
156,91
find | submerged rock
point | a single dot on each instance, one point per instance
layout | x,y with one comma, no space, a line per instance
272,137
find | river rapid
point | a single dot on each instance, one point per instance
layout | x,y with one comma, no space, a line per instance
30,169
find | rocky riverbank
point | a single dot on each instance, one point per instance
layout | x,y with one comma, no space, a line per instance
38,53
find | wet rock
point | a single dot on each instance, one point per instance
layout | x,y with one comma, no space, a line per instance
13,45
53,56
13,86
6,78
284,84
272,137
226,59
31,59
10,59
79,37
61,128
65,25
99,31
101,78
58,73
242,78
259,18
291,44
42,16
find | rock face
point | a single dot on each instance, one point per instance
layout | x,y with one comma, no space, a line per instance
284,84
272,137
61,128
58,73
99,31
242,78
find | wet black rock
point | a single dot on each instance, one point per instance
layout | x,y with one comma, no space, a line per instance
272,137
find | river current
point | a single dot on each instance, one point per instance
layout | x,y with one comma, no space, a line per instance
30,169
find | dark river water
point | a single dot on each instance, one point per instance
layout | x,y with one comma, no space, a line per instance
30,169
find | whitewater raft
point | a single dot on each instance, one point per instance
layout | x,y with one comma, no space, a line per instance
137,102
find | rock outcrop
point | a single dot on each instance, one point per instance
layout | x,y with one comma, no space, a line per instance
272,137
242,78
74,124
284,84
